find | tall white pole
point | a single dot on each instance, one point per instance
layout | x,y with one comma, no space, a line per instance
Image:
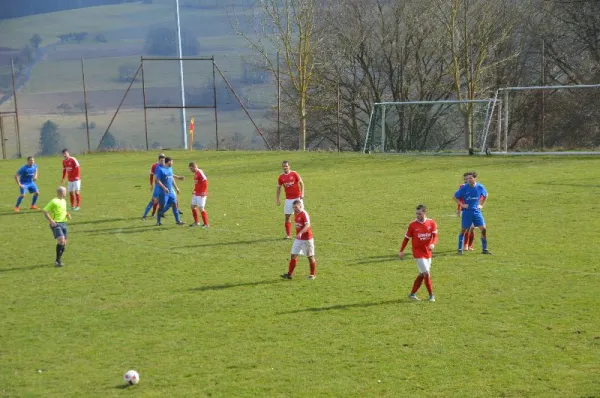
180,53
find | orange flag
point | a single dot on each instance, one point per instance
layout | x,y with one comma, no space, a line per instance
191,133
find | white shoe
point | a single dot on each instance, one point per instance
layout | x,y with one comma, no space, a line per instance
311,277
431,298
414,297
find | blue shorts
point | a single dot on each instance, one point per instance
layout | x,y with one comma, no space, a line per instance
31,187
166,199
157,191
471,218
59,230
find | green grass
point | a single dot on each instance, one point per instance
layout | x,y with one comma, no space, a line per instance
203,312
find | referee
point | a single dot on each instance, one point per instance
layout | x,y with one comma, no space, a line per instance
56,214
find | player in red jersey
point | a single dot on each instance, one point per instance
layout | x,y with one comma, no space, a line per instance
199,195
294,190
155,189
469,236
424,235
71,170
304,242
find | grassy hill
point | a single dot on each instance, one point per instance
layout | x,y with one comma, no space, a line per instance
56,80
204,313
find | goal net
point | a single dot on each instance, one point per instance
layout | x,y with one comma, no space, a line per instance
428,126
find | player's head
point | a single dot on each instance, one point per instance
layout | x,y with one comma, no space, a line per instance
161,157
30,160
421,212
193,166
65,153
470,179
61,192
285,165
474,174
465,176
168,161
297,205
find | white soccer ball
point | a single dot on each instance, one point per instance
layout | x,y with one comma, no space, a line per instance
131,377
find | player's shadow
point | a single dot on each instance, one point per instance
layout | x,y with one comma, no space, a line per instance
563,184
123,230
21,213
26,268
230,285
102,221
348,306
375,259
239,242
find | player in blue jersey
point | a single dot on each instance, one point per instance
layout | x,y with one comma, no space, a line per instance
153,204
26,177
471,197
167,197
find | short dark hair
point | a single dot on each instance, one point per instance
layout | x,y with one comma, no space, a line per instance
285,162
161,156
422,208
192,164
64,150
29,157
468,173
474,174
295,202
168,159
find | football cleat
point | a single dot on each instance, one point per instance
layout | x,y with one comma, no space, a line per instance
16,209
486,251
33,207
414,297
431,298
311,277
286,276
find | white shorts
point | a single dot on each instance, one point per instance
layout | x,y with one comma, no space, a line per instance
199,201
304,247
74,186
424,265
288,208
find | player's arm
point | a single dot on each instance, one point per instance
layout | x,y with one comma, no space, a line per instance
459,203
303,230
64,174
403,246
301,185
49,217
35,176
482,200
176,177
18,180
176,187
278,195
151,179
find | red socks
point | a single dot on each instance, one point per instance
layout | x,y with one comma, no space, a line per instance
154,207
78,197
195,214
204,217
428,284
417,284
72,197
288,229
313,268
292,266
471,238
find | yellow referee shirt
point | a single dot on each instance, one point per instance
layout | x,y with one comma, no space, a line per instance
57,208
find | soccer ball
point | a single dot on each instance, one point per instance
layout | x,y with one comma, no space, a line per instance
131,377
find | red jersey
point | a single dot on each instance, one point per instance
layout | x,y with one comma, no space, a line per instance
71,169
302,219
422,235
290,184
200,183
460,200
152,171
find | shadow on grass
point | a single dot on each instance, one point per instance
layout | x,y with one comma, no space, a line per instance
26,268
562,184
102,221
126,230
25,212
123,386
230,285
394,257
239,242
348,306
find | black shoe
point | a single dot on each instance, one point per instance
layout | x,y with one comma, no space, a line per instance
180,223
486,251
144,218
286,276
59,263
460,252
179,211
158,224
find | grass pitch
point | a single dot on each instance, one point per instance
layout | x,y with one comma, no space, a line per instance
204,312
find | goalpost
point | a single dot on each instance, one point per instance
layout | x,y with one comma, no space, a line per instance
449,126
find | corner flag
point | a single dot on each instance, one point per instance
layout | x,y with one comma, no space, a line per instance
191,133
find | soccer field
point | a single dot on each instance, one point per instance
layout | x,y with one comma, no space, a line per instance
204,312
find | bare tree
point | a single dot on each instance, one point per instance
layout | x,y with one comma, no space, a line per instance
287,27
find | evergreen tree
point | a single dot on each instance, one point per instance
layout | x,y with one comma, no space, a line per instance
50,139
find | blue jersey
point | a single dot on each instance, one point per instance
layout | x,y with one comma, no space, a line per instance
165,175
471,195
26,174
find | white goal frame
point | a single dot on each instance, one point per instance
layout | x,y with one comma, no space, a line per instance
488,116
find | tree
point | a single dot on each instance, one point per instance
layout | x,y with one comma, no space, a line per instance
163,42
109,142
289,27
50,139
35,41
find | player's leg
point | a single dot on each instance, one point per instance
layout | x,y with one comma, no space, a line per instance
479,222
288,210
175,209
153,204
194,208
465,221
419,280
203,212
33,189
20,198
71,189
312,261
161,207
77,199
60,234
471,237
291,266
